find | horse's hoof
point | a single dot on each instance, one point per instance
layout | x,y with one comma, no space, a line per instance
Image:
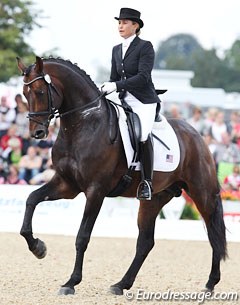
66,291
116,290
41,250
208,291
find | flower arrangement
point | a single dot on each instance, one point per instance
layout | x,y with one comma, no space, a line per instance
231,195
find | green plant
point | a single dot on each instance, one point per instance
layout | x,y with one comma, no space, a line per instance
190,212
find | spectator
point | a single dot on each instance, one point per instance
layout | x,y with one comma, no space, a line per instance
210,119
227,151
234,127
196,120
7,116
23,125
219,127
12,176
209,141
18,100
11,134
4,167
29,164
232,181
225,155
13,152
45,153
44,176
175,112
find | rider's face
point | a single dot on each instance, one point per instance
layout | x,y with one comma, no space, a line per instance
127,28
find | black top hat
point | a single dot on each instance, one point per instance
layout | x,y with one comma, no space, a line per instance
130,14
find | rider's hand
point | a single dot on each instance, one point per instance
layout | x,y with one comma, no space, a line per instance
108,87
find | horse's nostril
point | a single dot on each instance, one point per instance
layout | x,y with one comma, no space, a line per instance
39,134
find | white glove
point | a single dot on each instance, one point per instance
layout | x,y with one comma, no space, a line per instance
108,87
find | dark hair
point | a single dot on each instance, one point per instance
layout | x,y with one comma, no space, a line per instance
18,96
138,29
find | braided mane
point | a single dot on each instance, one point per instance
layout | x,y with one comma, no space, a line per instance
72,66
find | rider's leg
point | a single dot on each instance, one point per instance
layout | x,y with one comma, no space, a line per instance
146,114
146,155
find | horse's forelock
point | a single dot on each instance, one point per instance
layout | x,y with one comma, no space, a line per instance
28,70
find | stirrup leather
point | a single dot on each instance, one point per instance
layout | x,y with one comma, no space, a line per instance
144,190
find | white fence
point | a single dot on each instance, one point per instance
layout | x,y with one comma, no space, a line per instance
117,218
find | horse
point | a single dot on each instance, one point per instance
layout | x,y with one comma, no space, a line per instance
87,160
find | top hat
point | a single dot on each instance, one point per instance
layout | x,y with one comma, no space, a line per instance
130,14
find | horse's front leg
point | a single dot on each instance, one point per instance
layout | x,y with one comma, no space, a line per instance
57,188
92,208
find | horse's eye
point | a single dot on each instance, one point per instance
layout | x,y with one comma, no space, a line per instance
40,92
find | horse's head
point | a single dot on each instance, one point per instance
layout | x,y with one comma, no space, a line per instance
41,95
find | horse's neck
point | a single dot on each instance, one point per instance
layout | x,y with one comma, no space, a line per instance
81,105
78,89
75,86
77,94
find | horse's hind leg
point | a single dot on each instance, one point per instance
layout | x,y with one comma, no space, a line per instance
217,237
147,214
55,189
212,212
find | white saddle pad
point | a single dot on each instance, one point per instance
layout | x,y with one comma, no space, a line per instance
165,160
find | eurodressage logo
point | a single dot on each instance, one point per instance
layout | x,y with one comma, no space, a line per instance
200,297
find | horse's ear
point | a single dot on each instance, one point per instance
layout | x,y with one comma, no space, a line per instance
38,65
21,65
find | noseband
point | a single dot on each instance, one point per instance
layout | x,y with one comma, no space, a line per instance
52,112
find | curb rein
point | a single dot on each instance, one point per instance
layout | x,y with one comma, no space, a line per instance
52,112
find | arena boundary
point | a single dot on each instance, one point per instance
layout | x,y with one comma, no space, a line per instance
117,218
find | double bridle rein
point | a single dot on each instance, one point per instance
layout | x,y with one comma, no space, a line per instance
53,112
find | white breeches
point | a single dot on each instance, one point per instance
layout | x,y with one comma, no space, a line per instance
146,113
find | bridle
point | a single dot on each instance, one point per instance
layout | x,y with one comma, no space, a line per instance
53,112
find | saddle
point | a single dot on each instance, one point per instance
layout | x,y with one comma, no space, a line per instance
134,128
134,124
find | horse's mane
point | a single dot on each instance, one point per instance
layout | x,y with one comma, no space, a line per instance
72,66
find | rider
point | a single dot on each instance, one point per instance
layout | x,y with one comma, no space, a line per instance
132,63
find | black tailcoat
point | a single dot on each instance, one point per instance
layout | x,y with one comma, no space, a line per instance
133,72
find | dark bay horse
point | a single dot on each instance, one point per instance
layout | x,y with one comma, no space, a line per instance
87,161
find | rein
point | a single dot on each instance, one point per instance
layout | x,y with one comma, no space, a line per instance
52,112
83,108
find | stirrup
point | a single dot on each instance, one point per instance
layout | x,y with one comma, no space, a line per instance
144,190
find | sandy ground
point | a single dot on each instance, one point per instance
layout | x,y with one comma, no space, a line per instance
178,266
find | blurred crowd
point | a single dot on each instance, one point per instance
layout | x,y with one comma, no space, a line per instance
24,160
222,136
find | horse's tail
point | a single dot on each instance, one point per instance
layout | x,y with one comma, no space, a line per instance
217,230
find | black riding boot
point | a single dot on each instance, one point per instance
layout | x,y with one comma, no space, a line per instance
144,191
